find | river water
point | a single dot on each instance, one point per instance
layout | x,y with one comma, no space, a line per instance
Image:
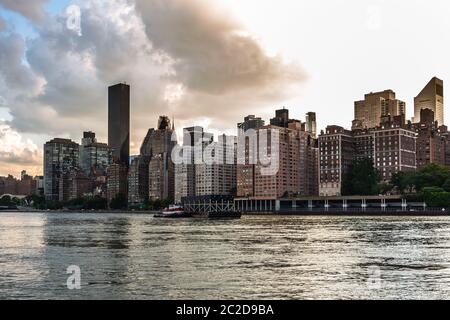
126,256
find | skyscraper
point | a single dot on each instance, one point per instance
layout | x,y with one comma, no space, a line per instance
251,122
217,175
431,97
157,147
245,172
311,124
194,141
95,157
368,112
138,189
119,122
60,157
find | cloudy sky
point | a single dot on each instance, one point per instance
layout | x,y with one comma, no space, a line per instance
205,62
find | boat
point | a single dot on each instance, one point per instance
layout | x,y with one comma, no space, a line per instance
173,212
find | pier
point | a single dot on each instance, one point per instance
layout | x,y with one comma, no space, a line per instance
332,205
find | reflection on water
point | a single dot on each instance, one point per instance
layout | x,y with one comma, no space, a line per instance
138,257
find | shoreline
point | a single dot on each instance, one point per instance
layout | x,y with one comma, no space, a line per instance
426,213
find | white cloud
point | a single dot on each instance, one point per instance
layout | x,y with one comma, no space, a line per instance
16,152
182,58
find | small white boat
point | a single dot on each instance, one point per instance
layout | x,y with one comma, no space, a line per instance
173,211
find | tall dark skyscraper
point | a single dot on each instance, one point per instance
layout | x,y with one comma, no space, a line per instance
119,122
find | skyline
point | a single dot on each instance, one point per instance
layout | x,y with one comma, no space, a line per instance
319,130
67,74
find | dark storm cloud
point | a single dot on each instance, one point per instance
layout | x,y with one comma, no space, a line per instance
31,9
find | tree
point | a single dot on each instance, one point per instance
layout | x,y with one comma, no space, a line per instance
362,179
36,201
384,188
6,201
119,202
404,181
436,197
432,175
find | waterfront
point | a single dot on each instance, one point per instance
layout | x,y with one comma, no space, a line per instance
126,256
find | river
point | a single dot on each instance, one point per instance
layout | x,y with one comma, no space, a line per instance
127,256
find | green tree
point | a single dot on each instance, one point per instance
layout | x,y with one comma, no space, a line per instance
119,202
436,197
432,175
404,181
6,201
36,201
361,179
384,188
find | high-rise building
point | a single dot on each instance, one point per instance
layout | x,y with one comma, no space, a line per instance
194,141
337,149
117,181
95,157
157,147
184,181
431,97
217,175
369,111
395,149
251,122
138,180
246,160
39,185
297,172
75,184
297,161
311,124
431,140
119,122
281,118
391,146
60,156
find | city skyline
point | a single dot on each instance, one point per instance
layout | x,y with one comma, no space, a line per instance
79,103
385,108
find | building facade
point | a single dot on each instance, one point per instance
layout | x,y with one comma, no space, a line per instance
391,147
216,176
431,97
337,150
116,181
195,139
431,140
95,157
119,122
297,161
138,180
60,157
369,111
157,147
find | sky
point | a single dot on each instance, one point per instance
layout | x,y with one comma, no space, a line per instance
205,62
